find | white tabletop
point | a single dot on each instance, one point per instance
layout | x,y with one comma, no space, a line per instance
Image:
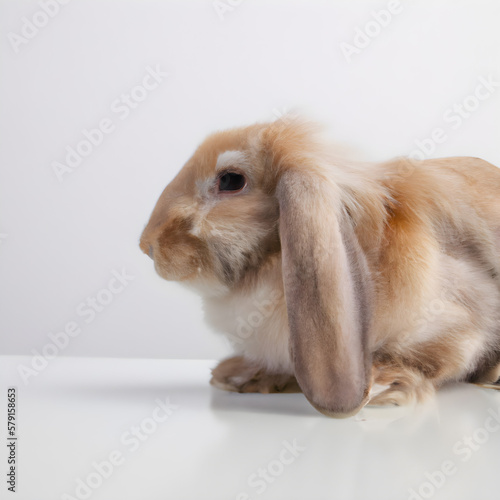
172,436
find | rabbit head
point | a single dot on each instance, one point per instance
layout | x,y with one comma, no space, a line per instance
218,217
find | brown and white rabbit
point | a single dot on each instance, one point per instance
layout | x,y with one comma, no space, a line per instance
331,276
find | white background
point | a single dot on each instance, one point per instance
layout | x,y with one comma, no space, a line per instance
60,241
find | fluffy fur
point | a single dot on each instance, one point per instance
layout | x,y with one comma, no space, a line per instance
330,275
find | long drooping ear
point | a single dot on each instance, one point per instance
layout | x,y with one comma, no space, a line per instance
327,291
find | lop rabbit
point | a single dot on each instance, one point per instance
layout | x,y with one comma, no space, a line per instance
331,276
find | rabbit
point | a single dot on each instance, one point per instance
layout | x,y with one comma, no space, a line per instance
334,277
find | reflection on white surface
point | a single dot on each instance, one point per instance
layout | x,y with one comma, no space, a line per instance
171,435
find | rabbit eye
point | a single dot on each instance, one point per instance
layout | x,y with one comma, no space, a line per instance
231,181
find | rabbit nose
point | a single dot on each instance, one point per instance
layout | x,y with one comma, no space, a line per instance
150,252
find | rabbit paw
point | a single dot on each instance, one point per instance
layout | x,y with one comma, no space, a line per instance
400,386
489,379
238,374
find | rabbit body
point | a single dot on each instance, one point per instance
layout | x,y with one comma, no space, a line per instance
330,276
